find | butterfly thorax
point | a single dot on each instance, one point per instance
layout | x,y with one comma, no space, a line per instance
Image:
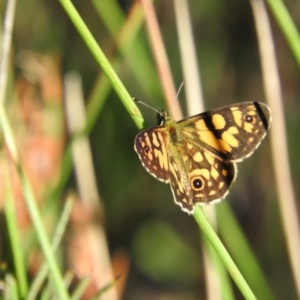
177,148
170,125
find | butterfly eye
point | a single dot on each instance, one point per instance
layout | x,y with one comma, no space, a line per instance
146,149
249,119
197,183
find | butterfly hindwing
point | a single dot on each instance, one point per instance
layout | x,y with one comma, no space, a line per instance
203,180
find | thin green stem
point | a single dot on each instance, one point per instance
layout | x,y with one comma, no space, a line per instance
15,240
103,62
32,207
287,26
60,229
222,252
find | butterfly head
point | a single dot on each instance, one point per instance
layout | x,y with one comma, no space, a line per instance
162,118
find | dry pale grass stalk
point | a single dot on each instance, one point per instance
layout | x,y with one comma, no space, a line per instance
192,78
87,250
6,46
195,105
287,201
161,59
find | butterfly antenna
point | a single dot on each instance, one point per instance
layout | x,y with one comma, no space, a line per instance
139,101
176,97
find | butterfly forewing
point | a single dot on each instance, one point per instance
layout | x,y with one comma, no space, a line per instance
153,152
231,132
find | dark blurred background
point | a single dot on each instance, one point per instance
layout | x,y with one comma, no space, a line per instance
162,243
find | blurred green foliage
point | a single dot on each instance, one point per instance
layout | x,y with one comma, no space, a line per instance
141,217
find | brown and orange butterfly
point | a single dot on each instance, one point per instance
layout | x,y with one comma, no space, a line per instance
198,155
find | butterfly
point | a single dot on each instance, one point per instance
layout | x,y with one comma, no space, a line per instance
198,155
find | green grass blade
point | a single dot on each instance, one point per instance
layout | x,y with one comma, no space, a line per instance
287,26
103,63
241,251
124,31
60,229
222,252
31,204
80,288
226,286
15,240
